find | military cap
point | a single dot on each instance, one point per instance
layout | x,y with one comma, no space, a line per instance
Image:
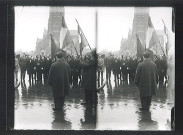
146,54
59,54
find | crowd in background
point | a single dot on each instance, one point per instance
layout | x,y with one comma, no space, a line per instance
123,68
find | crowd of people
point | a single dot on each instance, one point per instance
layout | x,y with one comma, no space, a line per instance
124,68
37,68
85,72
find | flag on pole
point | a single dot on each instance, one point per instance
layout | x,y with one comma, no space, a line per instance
83,41
54,47
151,35
65,36
168,41
140,48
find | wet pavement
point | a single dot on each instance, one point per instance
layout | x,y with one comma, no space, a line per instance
33,109
117,109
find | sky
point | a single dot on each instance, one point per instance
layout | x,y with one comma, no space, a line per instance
113,24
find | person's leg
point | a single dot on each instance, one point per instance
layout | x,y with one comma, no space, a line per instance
59,102
109,74
94,97
24,75
91,97
98,75
115,77
149,98
86,96
101,76
106,74
143,102
146,102
56,102
62,100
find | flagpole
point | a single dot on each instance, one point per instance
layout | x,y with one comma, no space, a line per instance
75,48
83,34
161,47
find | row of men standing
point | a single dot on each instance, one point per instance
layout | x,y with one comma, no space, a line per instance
35,67
123,67
38,68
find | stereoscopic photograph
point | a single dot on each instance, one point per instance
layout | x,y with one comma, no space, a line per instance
94,68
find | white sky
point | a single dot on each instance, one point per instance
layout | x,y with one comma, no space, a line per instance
113,24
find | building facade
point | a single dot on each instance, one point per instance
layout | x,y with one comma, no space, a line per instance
139,28
55,22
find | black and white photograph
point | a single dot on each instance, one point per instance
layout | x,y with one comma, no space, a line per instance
94,68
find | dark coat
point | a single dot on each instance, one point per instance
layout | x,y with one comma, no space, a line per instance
116,66
30,66
146,78
89,76
59,78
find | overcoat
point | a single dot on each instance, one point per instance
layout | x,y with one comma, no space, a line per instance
59,77
89,76
146,78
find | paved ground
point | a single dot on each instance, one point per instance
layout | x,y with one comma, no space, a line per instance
117,109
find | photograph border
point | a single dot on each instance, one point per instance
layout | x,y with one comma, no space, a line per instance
7,56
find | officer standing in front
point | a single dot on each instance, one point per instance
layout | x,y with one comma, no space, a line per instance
59,80
146,79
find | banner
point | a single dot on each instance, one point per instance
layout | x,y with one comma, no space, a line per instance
151,35
140,48
54,48
65,36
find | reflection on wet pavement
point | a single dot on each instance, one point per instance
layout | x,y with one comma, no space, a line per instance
33,109
118,109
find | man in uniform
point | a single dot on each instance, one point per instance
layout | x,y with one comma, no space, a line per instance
146,79
59,80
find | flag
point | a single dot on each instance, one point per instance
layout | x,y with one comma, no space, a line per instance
151,35
84,41
168,41
140,48
54,48
65,36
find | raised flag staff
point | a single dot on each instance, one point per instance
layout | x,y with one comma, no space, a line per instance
161,48
83,34
75,48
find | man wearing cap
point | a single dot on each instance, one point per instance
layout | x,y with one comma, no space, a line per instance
146,79
59,80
